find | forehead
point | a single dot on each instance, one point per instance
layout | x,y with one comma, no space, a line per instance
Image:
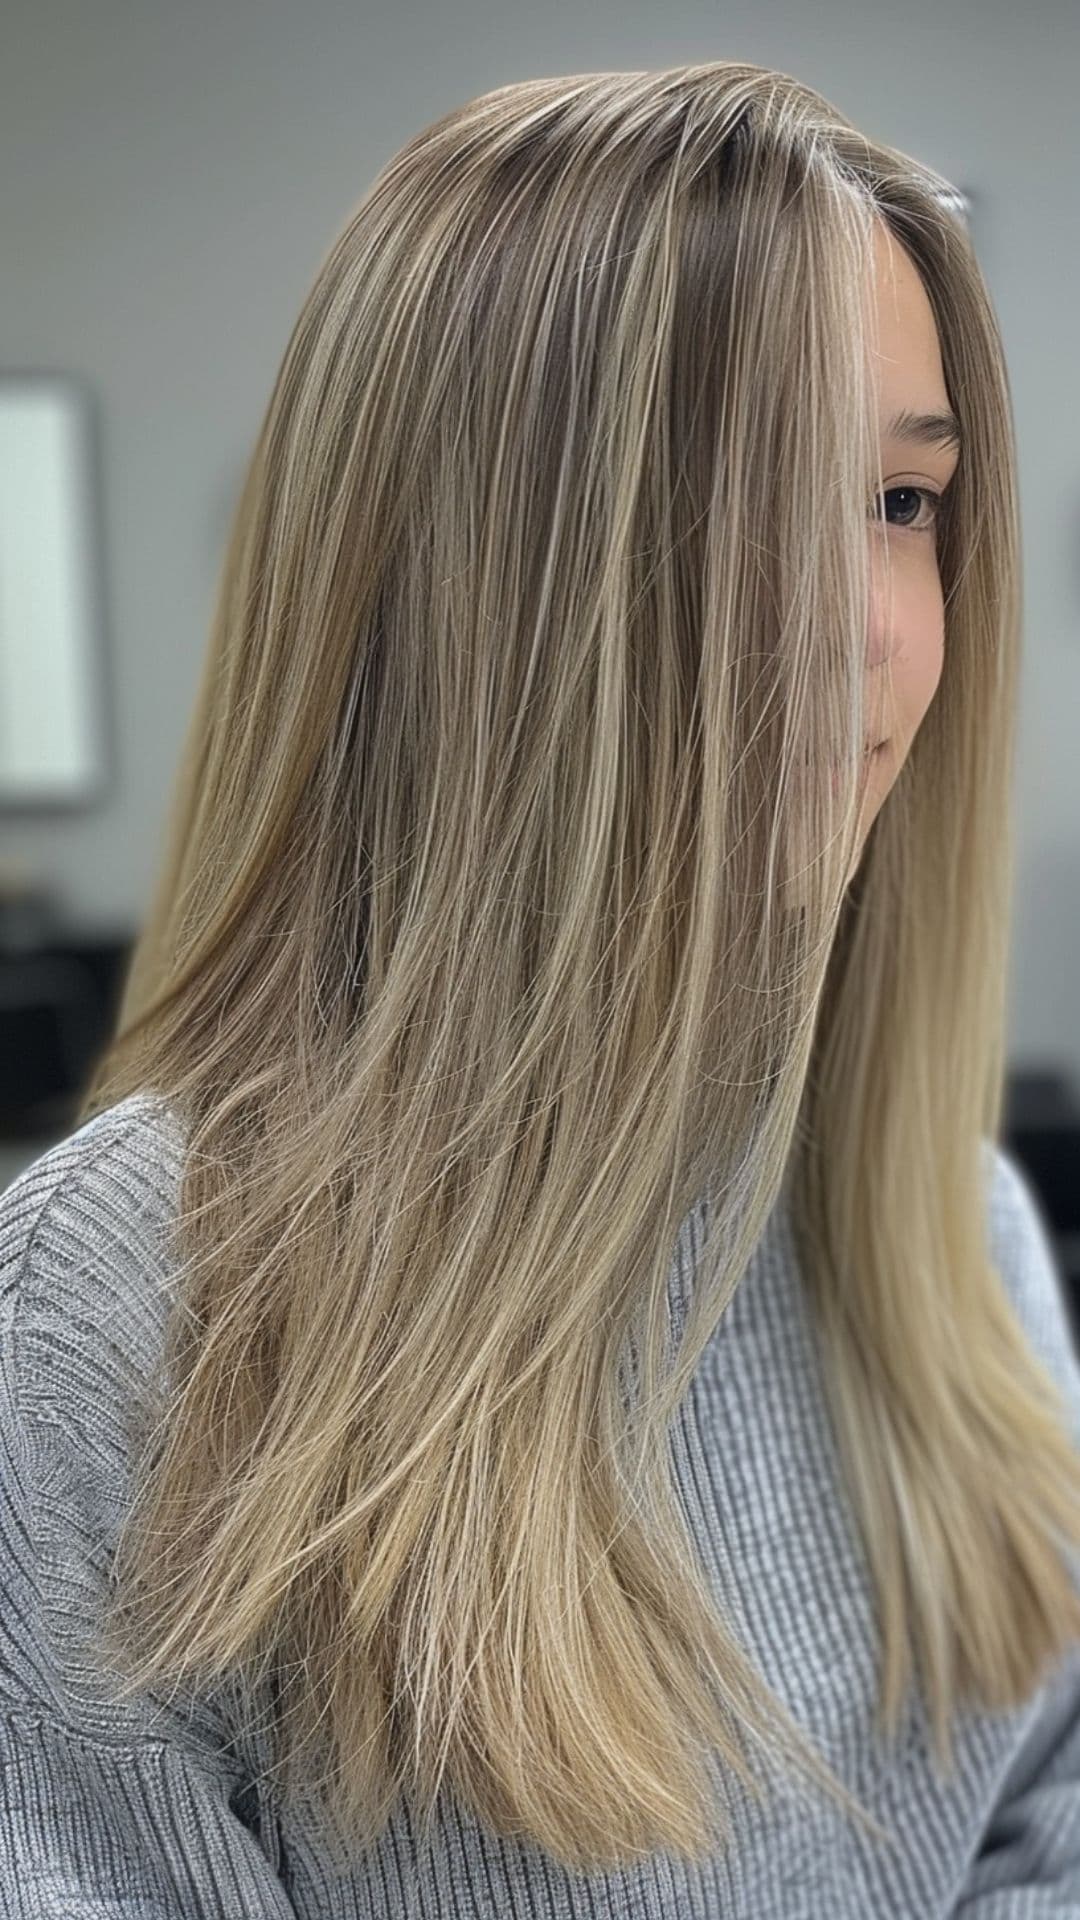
906,348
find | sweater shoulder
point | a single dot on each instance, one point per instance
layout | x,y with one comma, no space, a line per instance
1022,1247
83,1245
85,1276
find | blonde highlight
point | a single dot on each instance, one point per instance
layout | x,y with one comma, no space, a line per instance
506,915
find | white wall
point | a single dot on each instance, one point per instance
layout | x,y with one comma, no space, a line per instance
174,172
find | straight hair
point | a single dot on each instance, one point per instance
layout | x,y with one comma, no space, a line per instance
506,914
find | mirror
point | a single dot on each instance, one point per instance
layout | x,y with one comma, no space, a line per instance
52,691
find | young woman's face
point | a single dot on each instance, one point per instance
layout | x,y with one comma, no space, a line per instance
907,631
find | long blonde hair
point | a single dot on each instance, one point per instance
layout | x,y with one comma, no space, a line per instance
507,911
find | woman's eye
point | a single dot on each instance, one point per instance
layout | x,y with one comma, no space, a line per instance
918,508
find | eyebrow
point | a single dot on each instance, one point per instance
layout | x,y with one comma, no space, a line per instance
932,429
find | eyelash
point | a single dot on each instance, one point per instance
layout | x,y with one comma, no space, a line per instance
928,495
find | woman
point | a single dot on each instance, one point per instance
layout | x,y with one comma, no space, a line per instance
536,1338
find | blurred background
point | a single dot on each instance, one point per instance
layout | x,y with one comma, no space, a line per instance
173,177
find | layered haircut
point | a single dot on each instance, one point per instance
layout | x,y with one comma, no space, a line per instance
509,911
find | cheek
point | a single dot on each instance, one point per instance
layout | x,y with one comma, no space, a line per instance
910,646
925,650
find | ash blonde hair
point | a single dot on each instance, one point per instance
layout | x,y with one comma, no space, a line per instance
507,911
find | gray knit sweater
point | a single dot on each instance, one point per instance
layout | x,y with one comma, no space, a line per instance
143,1809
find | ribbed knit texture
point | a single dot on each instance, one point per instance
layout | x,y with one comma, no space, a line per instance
143,1809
